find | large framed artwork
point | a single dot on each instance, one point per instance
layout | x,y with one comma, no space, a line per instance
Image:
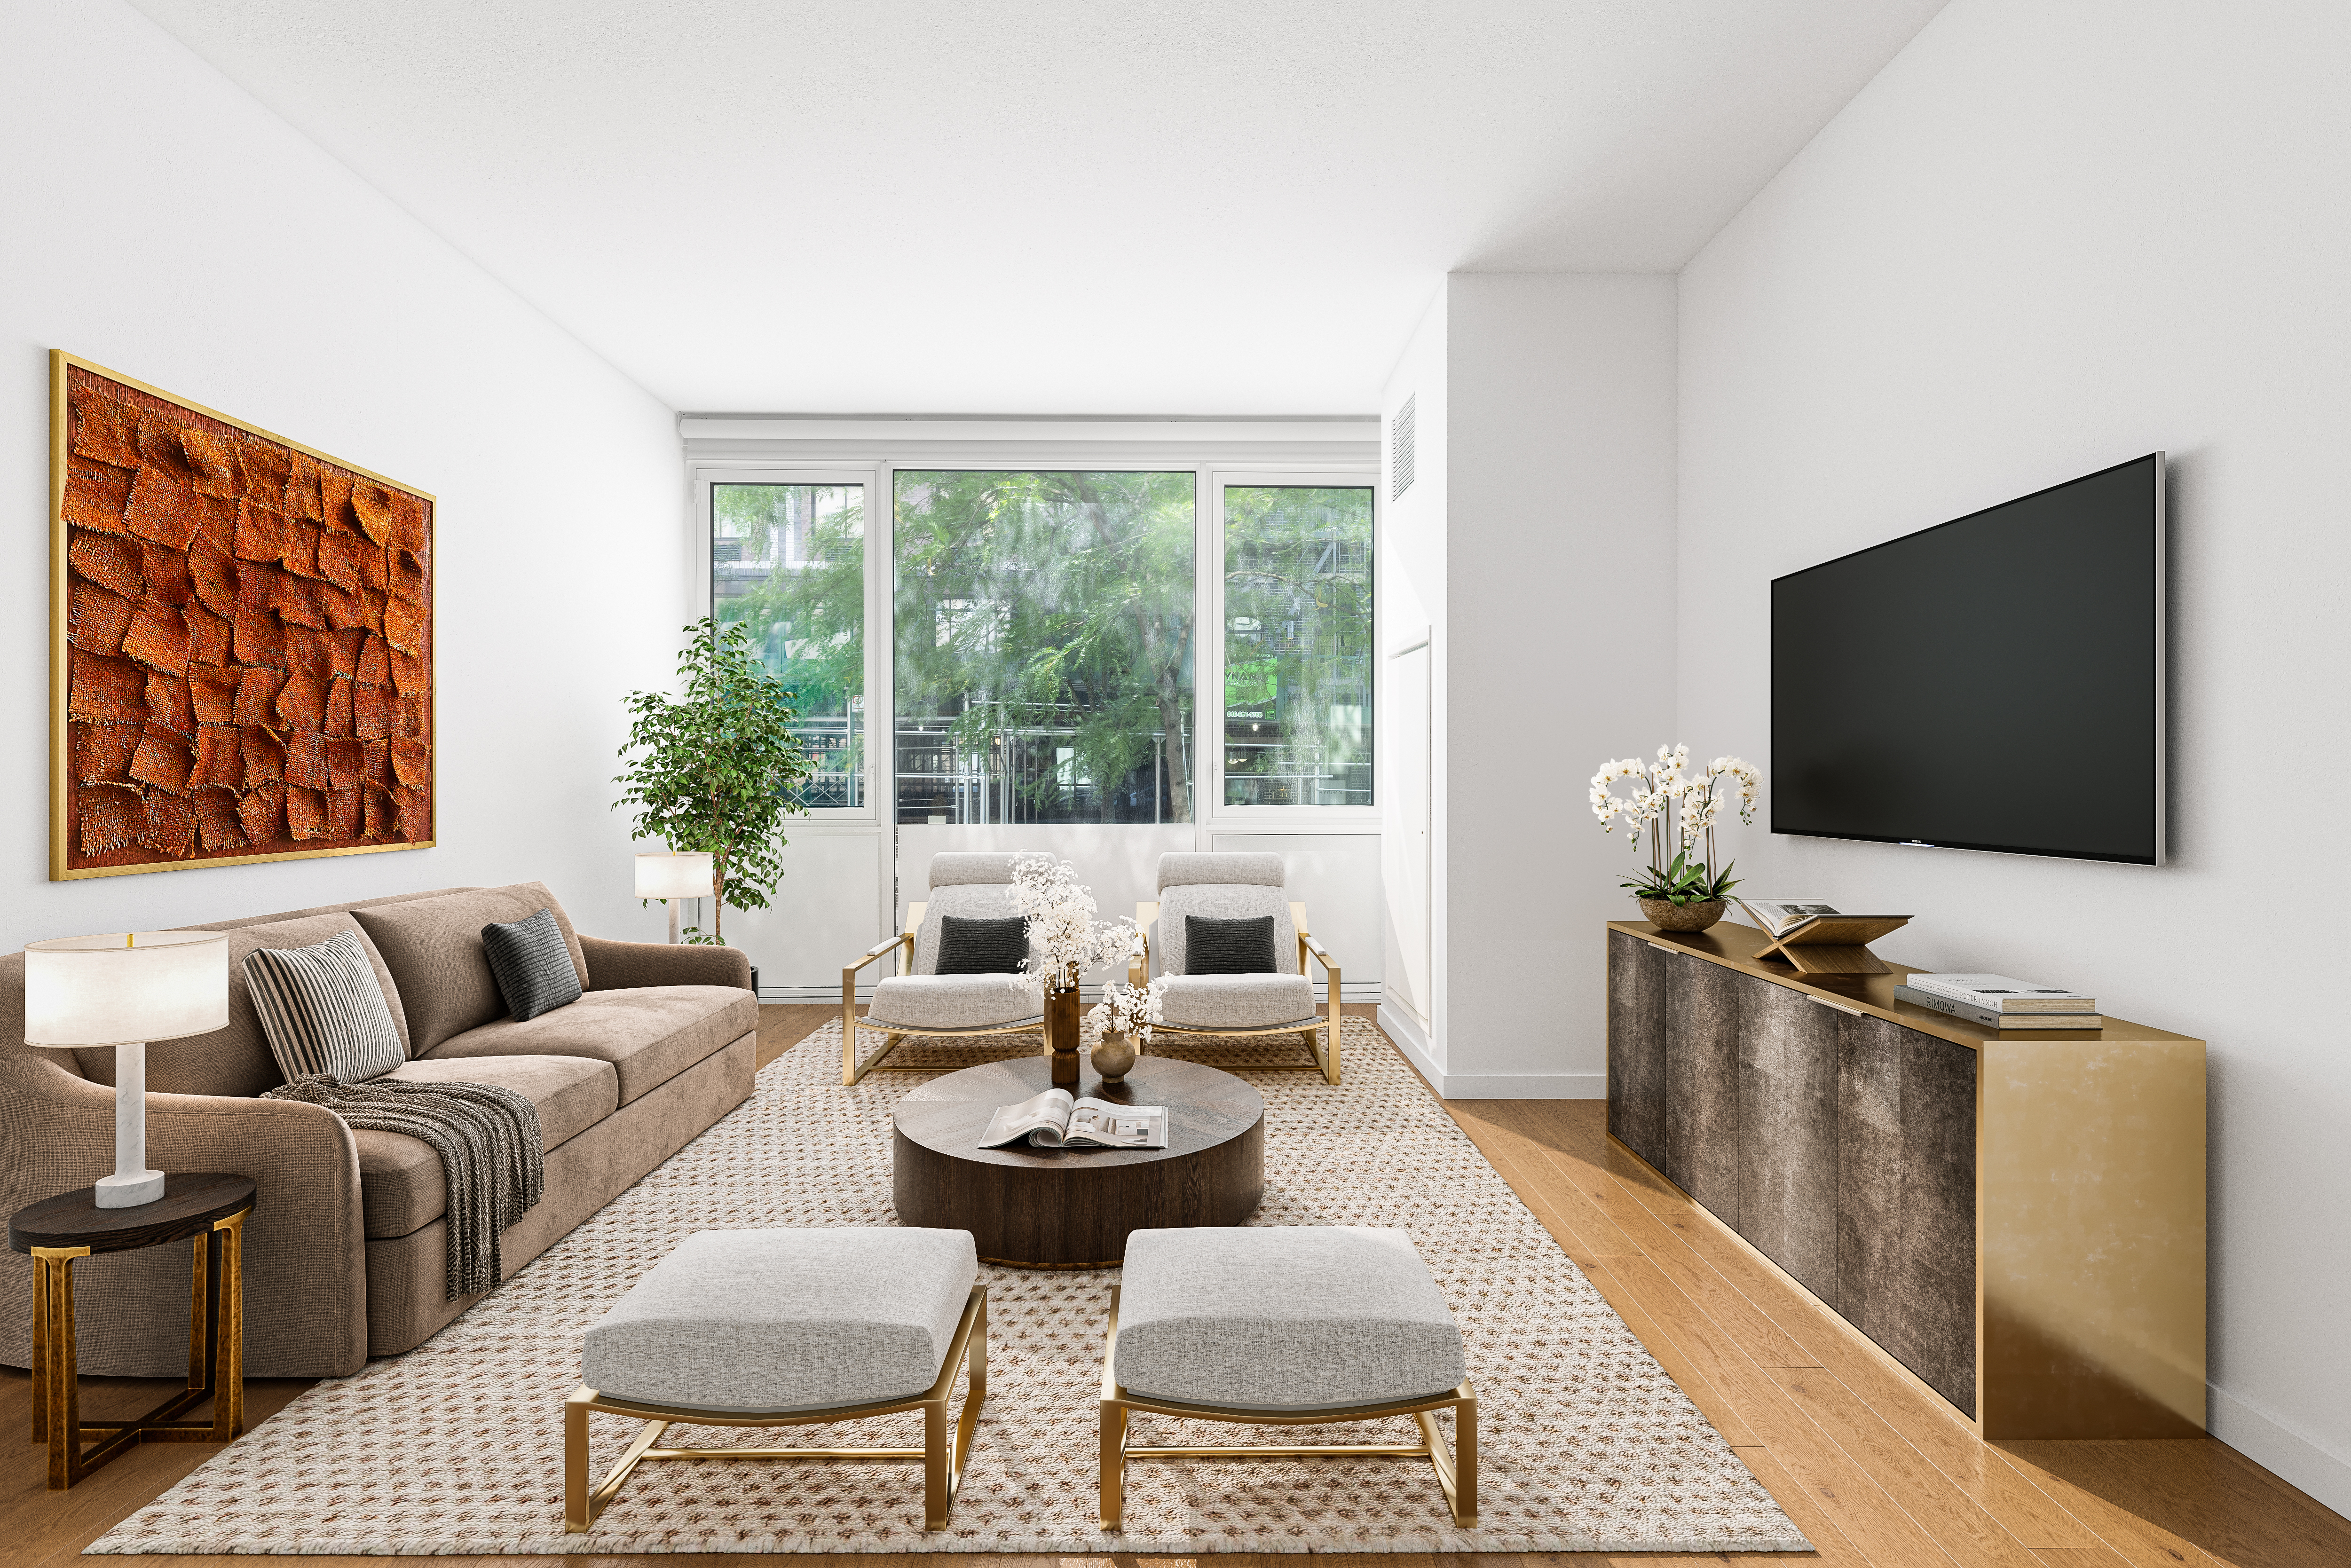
241,640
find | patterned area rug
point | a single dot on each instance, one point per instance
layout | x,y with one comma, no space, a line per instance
455,1447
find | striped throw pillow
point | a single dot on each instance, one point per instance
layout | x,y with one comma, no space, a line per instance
323,1010
532,963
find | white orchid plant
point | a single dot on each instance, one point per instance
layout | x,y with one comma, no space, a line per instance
1060,912
1130,1010
1668,802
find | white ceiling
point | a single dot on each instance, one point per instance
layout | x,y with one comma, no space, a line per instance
1065,206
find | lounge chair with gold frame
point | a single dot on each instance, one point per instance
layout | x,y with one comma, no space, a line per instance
921,1002
1237,1006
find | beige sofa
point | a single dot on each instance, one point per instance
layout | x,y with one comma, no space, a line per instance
344,1253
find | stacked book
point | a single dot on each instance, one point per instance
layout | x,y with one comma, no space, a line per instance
1996,1001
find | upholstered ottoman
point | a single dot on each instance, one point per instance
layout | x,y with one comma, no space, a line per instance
783,1328
1285,1325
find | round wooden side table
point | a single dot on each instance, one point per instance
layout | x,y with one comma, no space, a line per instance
209,1207
1072,1209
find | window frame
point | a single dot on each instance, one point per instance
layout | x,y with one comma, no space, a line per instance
1208,664
879,770
871,453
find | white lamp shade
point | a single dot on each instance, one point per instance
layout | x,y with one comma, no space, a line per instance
687,875
125,989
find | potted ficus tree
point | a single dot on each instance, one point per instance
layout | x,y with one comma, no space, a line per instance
715,769
1668,803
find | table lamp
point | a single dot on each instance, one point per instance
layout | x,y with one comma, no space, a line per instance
126,990
674,876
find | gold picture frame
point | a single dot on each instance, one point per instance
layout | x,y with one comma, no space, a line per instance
363,776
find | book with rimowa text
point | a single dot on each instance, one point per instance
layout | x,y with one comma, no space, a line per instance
1952,1008
2003,994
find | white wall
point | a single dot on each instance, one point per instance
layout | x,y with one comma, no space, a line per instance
2044,240
163,223
1555,648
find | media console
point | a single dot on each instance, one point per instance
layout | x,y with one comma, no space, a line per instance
2015,1217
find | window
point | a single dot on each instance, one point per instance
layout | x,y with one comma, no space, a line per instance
1298,646
1043,647
789,559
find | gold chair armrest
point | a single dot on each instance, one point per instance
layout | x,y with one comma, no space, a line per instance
1321,954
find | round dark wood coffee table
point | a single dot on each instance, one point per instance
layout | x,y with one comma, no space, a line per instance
1072,1209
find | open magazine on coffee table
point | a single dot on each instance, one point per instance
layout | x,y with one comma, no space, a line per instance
1056,1120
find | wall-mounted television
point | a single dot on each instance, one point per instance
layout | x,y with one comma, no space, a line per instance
1994,682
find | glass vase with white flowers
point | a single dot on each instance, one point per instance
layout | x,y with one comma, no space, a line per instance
1670,804
1068,941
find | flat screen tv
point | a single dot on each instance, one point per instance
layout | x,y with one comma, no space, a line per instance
1995,683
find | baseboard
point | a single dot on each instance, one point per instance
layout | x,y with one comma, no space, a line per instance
2293,1456
1405,1033
1412,1040
1525,1086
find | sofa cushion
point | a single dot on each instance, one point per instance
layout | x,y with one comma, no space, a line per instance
323,1009
401,1185
434,948
650,1036
785,1320
1282,1317
1238,1001
235,1060
951,1001
531,964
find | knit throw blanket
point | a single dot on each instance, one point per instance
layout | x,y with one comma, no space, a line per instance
488,1141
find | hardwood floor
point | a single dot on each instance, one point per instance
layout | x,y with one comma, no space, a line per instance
1866,1462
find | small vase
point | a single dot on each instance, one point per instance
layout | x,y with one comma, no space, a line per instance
1113,1054
1668,916
1061,1034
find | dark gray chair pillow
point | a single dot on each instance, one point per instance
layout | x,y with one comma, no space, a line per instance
532,965
1214,947
969,947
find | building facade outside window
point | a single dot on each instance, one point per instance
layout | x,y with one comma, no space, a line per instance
1298,646
790,560
1044,646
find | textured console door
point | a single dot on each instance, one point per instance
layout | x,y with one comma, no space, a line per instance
1637,1045
1787,1131
1906,1265
1701,1081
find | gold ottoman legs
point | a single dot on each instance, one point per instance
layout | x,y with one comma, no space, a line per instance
1457,1473
944,1452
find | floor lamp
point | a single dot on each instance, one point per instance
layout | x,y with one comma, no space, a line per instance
670,877
128,990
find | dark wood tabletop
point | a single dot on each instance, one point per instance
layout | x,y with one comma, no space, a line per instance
1205,1107
189,1207
1075,1207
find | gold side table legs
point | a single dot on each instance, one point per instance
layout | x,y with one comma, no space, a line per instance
945,1452
215,1359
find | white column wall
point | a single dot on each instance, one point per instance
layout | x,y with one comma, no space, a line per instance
2046,239
165,225
1545,559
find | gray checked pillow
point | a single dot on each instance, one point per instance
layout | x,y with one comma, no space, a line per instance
532,965
1214,947
323,1010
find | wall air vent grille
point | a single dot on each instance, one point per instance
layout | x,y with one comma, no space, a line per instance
1400,453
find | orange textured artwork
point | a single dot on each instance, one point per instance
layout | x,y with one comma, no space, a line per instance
242,646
